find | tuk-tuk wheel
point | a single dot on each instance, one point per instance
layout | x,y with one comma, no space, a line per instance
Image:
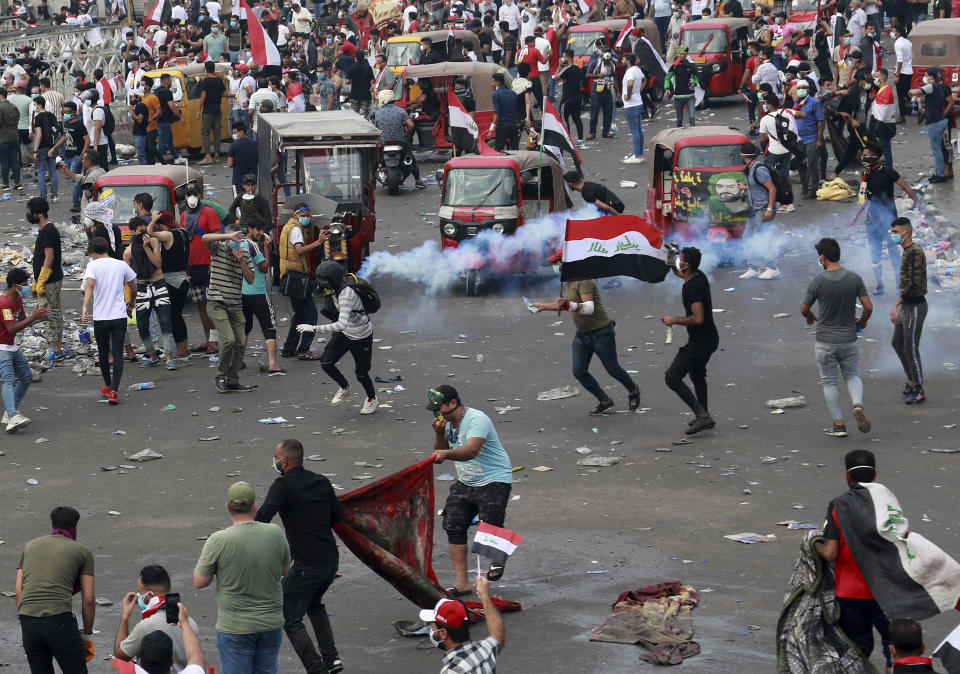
656,94
474,279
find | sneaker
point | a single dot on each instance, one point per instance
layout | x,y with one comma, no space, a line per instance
73,209
602,408
786,208
769,273
172,364
61,354
932,179
104,391
420,185
147,361
6,188
205,161
837,431
16,421
632,160
863,424
750,273
369,406
53,199
878,291
18,186
241,388
5,419
914,398
113,398
700,424
634,400
221,384
335,667
339,396
907,389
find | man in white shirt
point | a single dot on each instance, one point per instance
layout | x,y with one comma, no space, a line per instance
179,12
697,7
213,8
543,69
778,149
766,72
857,22
528,18
632,94
283,33
301,19
904,70
510,13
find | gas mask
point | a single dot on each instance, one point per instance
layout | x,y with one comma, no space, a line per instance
33,218
192,201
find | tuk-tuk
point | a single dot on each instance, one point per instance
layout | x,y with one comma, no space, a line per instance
697,184
331,165
404,50
167,184
583,37
486,198
716,53
937,43
434,133
185,85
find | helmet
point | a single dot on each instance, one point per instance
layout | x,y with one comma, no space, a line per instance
332,272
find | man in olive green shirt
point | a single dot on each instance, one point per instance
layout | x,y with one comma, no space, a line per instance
51,570
595,335
248,559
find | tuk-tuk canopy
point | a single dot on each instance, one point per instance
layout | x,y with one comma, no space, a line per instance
936,43
483,72
669,138
331,125
525,160
177,174
732,23
612,25
468,37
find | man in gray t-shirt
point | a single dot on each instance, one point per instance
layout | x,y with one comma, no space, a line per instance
837,291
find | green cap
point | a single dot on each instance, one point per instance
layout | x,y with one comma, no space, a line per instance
241,495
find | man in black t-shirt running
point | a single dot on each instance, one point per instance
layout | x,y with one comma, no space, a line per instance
702,340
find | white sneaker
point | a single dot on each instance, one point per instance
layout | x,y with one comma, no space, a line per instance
632,159
16,421
370,406
769,273
339,396
5,419
789,208
750,273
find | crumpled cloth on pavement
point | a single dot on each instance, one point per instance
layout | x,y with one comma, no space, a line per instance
808,639
659,618
834,190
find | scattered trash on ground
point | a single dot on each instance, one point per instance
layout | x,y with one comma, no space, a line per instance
558,393
145,455
605,461
793,401
750,538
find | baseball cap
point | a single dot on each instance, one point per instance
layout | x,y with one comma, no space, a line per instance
438,396
447,613
241,495
556,257
156,651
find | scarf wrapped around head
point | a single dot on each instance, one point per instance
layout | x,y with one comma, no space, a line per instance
98,212
521,85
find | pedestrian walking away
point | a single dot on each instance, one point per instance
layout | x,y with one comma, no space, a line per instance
351,331
910,309
836,291
702,340
309,508
595,336
466,436
15,373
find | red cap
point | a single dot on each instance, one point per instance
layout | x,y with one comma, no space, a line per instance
447,613
242,67
556,257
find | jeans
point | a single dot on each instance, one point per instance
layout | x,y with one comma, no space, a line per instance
810,167
50,638
752,105
570,112
15,378
178,296
935,135
140,142
690,104
152,147
755,251
551,88
75,166
10,160
781,162
362,352
858,617
109,336
634,115
256,653
507,136
304,311
208,124
880,216
165,139
887,150
847,357
663,22
235,55
600,100
238,115
603,343
690,360
906,339
303,590
282,172
46,165
228,320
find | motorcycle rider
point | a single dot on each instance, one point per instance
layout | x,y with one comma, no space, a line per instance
393,122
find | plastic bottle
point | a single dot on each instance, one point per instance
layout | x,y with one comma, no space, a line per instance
526,303
142,386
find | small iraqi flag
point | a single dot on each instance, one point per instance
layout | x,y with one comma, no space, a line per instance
555,138
617,245
495,543
948,652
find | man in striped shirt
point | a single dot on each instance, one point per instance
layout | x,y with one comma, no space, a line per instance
229,267
352,331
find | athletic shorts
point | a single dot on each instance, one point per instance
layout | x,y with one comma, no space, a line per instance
259,306
488,503
199,282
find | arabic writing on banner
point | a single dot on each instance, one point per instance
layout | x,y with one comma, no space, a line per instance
623,245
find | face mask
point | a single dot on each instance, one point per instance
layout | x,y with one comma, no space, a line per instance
234,245
247,197
76,80
876,82
328,40
144,604
192,201
927,80
236,136
846,41
9,62
33,96
763,107
848,62
433,640
276,467
779,21
233,24
87,103
33,218
802,93
896,238
215,30
870,161
25,291
304,220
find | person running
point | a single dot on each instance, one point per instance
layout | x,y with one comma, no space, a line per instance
15,374
595,335
910,309
255,298
837,291
763,198
702,340
153,296
352,331
105,280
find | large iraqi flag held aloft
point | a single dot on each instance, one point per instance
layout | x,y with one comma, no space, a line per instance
617,245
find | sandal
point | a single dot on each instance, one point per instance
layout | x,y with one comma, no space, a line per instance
454,592
495,572
131,358
202,348
307,355
264,368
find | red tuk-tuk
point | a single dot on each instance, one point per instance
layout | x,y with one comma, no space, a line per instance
583,38
937,43
433,132
716,53
802,13
484,203
697,184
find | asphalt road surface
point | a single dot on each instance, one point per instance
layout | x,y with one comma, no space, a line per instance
656,516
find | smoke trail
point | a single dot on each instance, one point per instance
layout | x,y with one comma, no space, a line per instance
436,269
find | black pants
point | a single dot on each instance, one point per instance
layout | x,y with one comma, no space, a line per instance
303,590
362,352
858,617
259,306
113,148
110,336
508,136
570,109
690,361
903,98
53,637
178,296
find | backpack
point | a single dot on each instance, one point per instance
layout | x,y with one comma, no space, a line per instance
109,123
780,182
784,134
366,292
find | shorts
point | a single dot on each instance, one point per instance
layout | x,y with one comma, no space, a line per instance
259,306
488,503
199,282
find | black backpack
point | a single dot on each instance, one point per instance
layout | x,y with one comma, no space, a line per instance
368,295
109,123
780,182
787,137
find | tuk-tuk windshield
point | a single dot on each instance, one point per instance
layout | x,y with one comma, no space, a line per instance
708,156
480,187
803,5
120,198
402,53
334,172
695,39
582,43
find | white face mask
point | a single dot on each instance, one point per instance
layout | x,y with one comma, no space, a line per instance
192,201
247,197
236,136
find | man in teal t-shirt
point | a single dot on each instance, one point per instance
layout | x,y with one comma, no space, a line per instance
484,476
256,300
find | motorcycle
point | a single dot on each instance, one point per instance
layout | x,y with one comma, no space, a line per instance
395,163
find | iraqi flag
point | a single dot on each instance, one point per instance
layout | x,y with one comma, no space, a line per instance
907,574
948,652
263,49
585,6
464,129
105,89
155,16
624,34
495,543
618,245
884,107
554,136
